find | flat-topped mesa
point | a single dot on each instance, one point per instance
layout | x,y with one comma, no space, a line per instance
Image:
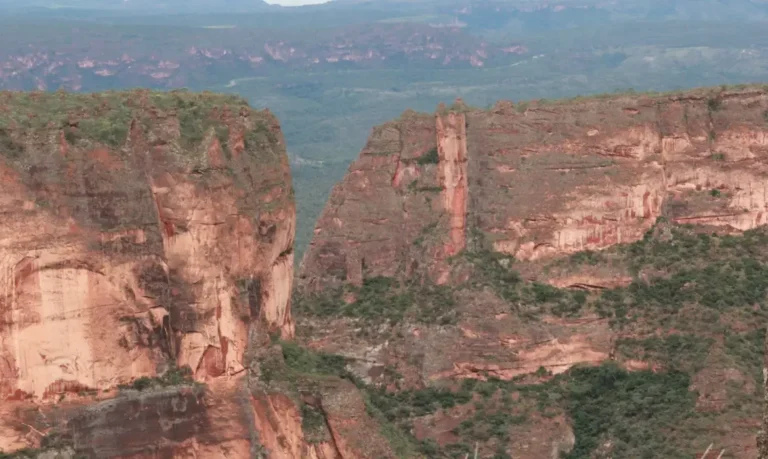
139,229
543,179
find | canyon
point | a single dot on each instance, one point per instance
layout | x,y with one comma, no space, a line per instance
575,278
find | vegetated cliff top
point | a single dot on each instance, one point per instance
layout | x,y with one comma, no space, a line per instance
593,101
107,118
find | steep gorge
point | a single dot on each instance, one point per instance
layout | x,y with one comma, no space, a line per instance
524,279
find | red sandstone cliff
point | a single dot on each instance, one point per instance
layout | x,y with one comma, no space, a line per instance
145,233
546,179
139,230
537,182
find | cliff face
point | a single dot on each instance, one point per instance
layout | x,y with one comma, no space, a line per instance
537,243
547,179
141,232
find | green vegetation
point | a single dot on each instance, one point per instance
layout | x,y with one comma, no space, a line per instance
313,424
639,412
174,376
308,362
106,117
529,299
403,405
383,299
50,445
723,274
718,156
588,257
429,229
21,454
747,349
294,363
689,287
714,104
678,316
430,157
682,352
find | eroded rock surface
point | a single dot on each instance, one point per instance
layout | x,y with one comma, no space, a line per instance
527,242
139,231
544,180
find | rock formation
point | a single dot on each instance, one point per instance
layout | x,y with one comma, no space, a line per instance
140,232
430,219
583,278
543,179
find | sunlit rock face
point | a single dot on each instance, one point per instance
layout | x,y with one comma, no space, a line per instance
430,263
542,180
139,231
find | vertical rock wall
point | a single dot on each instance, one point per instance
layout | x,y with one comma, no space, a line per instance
140,231
544,180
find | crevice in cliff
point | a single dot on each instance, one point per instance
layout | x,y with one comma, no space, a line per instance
274,298
311,406
334,442
587,287
398,156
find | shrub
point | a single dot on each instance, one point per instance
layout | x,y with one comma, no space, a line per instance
635,412
174,376
8,146
384,299
718,156
588,257
430,157
308,362
313,424
680,352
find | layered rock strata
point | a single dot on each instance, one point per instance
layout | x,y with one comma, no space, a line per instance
140,232
540,180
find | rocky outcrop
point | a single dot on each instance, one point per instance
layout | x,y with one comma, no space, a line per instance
349,432
452,152
496,247
140,231
543,180
354,235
